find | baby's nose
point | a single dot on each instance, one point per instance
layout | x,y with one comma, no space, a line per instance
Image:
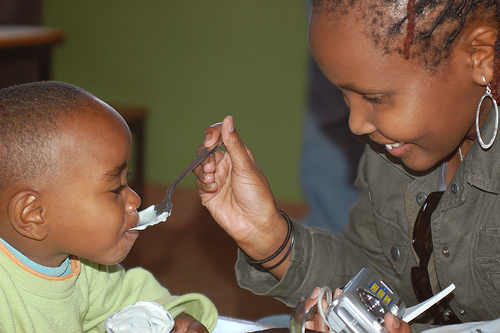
133,201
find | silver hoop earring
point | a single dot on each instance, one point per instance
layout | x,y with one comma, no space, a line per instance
495,105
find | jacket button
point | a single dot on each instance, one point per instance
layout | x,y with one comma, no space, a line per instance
395,253
454,188
421,197
461,311
445,251
447,313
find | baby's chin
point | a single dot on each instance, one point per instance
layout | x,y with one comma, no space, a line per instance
112,260
122,257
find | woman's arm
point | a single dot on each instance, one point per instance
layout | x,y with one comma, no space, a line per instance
236,192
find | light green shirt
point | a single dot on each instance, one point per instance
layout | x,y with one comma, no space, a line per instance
465,235
82,300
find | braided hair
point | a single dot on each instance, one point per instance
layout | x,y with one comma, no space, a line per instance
432,24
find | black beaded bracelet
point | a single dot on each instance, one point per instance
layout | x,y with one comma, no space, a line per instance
290,234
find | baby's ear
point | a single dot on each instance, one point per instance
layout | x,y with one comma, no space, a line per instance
481,47
26,216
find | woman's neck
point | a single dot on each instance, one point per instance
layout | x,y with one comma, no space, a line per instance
456,159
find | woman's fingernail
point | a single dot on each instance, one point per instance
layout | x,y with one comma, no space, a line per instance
208,137
397,322
315,293
231,124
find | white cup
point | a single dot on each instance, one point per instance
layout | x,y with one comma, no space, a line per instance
140,317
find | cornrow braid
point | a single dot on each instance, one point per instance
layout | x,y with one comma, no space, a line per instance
434,47
451,11
410,30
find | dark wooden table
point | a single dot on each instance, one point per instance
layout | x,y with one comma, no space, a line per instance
25,53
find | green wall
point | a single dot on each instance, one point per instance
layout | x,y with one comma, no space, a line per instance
191,63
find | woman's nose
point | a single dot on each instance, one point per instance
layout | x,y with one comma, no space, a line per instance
360,121
133,201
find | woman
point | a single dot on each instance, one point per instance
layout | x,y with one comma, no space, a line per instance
421,81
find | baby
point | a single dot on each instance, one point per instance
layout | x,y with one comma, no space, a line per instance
65,217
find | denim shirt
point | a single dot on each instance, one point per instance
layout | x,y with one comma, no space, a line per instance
465,234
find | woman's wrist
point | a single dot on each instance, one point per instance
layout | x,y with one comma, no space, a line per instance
280,255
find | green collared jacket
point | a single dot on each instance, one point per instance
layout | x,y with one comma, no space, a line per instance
465,230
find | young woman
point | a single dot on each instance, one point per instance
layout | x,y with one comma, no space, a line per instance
421,80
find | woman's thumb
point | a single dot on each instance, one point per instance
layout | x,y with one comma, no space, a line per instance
233,143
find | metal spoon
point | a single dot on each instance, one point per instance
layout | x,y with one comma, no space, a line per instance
155,214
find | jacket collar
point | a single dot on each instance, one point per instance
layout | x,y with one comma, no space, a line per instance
482,167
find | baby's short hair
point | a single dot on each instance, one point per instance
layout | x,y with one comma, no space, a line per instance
30,122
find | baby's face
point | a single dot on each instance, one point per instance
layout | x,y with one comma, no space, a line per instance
89,206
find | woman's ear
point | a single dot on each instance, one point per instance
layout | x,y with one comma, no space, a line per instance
481,48
26,216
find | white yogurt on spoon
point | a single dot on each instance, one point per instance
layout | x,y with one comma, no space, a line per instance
147,217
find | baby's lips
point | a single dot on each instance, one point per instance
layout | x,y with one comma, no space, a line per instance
136,221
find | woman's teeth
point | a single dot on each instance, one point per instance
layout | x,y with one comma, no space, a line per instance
394,145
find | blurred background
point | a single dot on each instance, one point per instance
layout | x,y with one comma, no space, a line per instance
191,63
177,67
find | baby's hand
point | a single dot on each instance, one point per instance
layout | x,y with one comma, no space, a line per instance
184,323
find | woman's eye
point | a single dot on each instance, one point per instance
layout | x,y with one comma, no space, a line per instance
374,99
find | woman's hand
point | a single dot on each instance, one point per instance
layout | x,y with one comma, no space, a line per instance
395,325
184,323
313,320
236,192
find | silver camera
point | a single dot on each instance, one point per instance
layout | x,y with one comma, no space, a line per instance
362,305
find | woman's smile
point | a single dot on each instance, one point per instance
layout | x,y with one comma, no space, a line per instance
393,100
399,149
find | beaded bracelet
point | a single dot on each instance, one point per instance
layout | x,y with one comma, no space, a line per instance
290,234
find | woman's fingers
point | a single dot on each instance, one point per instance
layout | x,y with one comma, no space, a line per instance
234,145
313,319
394,324
212,133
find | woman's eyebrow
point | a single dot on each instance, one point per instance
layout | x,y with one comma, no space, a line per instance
354,88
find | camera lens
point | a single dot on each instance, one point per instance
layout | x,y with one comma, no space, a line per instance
371,302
